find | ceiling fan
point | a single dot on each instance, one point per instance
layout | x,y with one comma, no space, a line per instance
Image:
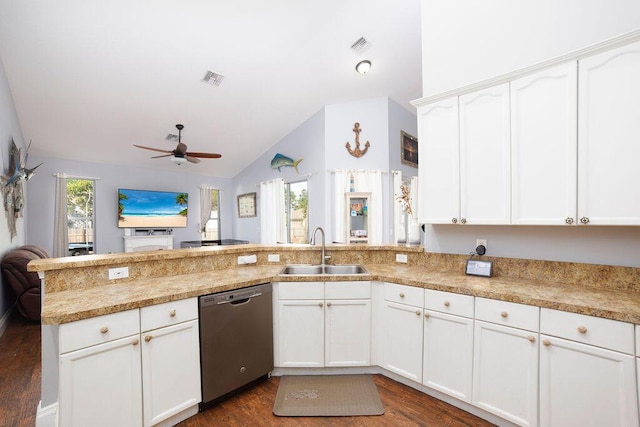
180,153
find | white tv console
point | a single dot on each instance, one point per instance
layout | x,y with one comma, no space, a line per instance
149,240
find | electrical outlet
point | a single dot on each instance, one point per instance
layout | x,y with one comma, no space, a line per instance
118,273
401,258
273,257
247,259
482,242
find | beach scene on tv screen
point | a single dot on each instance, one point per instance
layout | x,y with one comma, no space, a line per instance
151,209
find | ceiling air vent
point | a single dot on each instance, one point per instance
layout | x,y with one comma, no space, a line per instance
172,137
360,45
212,78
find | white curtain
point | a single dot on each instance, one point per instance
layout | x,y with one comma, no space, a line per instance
398,213
205,207
273,227
60,235
365,181
414,226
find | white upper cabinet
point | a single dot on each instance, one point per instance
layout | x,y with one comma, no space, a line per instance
485,164
544,147
439,163
609,137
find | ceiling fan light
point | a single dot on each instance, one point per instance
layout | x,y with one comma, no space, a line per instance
179,160
363,67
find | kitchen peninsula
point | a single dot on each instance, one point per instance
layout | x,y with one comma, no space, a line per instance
79,289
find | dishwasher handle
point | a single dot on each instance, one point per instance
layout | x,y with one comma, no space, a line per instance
240,301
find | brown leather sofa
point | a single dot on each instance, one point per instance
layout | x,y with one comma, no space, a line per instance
24,285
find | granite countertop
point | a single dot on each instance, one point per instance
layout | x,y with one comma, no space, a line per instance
67,306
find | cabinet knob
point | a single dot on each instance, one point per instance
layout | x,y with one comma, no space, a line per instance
426,315
582,329
447,304
454,220
418,313
104,330
569,220
172,313
329,304
148,338
401,294
320,304
584,220
135,341
531,338
547,343
463,220
504,314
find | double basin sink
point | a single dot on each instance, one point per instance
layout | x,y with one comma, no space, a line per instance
315,270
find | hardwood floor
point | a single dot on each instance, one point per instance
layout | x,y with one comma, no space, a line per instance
404,406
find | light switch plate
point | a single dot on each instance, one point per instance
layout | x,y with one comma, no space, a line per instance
479,268
273,257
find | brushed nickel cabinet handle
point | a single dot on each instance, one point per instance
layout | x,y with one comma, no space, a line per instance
320,304
172,313
584,220
569,220
447,304
546,342
426,315
504,314
463,220
148,338
329,304
582,329
401,294
135,341
454,220
417,312
104,330
531,338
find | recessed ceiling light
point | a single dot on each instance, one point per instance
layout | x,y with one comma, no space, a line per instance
363,67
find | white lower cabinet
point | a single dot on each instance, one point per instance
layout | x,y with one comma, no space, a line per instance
505,365
101,385
111,375
448,343
170,371
401,339
582,382
323,324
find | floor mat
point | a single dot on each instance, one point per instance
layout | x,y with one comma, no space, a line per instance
327,396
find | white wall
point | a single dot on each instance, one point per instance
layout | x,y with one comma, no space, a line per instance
467,41
41,195
9,128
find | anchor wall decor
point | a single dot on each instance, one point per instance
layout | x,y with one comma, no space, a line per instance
357,152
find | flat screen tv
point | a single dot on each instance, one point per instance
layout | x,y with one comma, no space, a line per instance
151,209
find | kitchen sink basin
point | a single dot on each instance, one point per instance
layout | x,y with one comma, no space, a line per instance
306,270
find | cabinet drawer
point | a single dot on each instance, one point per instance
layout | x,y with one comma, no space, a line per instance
447,302
404,294
169,313
347,290
98,330
508,313
606,333
301,290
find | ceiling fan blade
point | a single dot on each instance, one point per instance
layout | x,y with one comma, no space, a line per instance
204,155
152,149
192,159
164,155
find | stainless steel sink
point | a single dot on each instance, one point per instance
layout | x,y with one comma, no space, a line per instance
313,270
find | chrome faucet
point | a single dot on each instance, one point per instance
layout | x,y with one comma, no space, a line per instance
313,242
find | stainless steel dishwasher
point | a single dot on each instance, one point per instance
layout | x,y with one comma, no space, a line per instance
236,341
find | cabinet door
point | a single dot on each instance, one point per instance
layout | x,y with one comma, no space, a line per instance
544,147
402,340
608,148
439,202
170,371
582,385
101,385
448,354
347,333
505,372
485,172
301,333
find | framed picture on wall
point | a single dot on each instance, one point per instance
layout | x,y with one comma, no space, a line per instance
247,205
408,149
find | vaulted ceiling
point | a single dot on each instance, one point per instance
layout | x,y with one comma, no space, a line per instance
90,78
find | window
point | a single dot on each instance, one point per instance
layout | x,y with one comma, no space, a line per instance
212,227
297,197
80,215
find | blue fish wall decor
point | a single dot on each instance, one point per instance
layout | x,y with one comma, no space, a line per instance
280,161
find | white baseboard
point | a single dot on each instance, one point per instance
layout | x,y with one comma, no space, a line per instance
47,416
4,320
